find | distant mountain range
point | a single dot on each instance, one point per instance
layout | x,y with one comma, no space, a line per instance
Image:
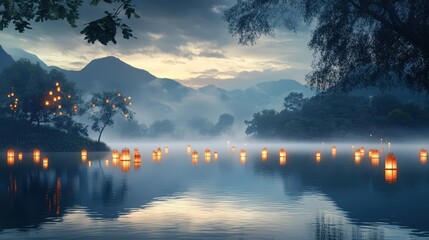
161,98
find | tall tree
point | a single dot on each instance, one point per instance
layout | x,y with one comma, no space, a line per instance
105,106
21,12
356,42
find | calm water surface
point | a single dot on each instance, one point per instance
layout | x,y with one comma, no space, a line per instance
229,198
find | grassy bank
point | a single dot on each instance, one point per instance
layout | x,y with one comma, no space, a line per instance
23,136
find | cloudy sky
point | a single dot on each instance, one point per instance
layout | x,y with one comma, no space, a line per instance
184,40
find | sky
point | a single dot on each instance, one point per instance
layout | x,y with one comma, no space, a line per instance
183,40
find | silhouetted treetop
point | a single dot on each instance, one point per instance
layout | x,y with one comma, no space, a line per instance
21,12
355,42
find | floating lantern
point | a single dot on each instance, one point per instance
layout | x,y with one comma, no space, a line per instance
57,84
423,156
45,163
195,158
36,156
334,151
375,157
159,152
362,151
10,161
107,162
20,156
264,154
188,149
391,175
318,156
215,155
89,163
59,98
125,166
115,154
50,93
115,161
358,156
390,162
10,153
84,154
46,103
282,153
243,156
154,155
58,89
207,153
136,152
125,155
166,150
233,149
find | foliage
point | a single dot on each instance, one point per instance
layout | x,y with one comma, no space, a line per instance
104,107
328,116
21,12
205,127
25,94
355,42
21,135
161,127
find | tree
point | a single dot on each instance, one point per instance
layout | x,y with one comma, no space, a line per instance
294,101
21,12
104,107
161,127
356,42
32,94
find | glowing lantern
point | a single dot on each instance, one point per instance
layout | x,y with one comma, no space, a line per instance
57,84
137,158
362,151
334,151
423,156
233,149
125,155
10,161
391,175
58,89
282,153
59,106
136,152
215,155
59,98
10,153
264,154
153,155
390,162
20,156
47,103
36,155
243,156
55,99
84,155
375,157
188,149
107,162
137,165
358,157
207,153
50,93
45,163
159,152
125,166
195,158
115,161
107,101
115,154
69,96
166,150
89,163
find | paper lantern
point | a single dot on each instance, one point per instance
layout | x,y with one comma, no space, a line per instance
10,160
375,157
36,152
207,153
84,152
391,175
188,149
125,155
318,156
20,156
89,163
423,156
233,149
153,155
107,162
137,158
115,154
195,155
215,156
282,153
166,150
362,151
136,152
10,153
390,162
243,156
45,163
334,151
159,152
264,154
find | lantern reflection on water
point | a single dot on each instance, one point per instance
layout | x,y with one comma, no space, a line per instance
195,158
115,154
107,162
125,166
282,160
391,175
318,156
334,151
10,160
10,153
159,153
264,154
390,162
45,163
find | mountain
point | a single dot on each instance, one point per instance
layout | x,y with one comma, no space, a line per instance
18,53
5,59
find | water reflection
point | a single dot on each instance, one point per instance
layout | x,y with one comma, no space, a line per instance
333,199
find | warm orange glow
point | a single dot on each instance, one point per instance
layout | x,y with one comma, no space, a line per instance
137,158
215,156
194,161
159,152
125,166
423,156
153,155
107,162
362,151
84,158
243,156
20,156
264,154
207,153
195,155
233,149
318,156
125,155
358,157
89,163
115,154
166,150
207,159
10,161
188,149
423,160
10,153
58,89
50,93
45,163
282,153
36,159
390,162
84,152
47,103
334,151
57,84
115,161
137,165
282,160
391,175
36,152
375,160
136,152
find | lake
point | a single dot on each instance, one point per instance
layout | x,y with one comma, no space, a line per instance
337,196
